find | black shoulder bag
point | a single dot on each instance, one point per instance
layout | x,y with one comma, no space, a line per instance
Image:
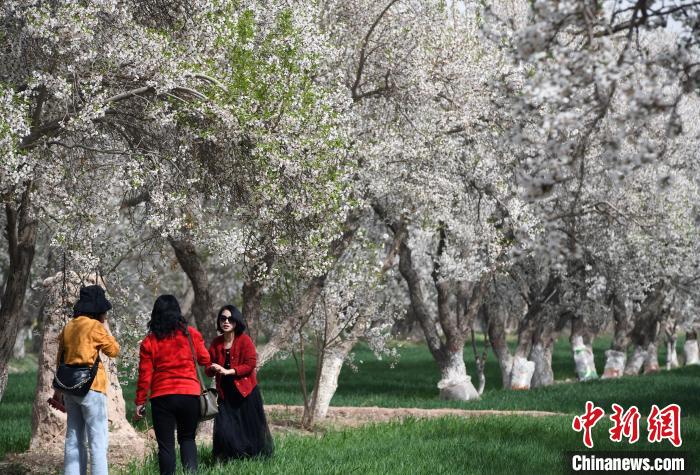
75,379
208,407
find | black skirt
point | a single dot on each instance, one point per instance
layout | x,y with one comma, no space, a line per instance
240,427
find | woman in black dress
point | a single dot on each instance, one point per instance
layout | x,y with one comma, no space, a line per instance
240,427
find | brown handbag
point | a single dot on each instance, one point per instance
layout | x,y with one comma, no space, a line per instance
208,399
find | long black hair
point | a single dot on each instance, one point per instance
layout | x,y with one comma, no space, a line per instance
240,325
166,317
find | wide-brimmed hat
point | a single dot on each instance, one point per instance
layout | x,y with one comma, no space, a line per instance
92,301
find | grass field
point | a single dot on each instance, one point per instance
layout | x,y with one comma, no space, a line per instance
449,445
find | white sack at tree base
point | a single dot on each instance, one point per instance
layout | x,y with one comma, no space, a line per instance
651,361
521,376
614,364
692,355
671,355
457,389
636,361
583,358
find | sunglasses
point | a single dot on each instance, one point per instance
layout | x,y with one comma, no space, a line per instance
224,318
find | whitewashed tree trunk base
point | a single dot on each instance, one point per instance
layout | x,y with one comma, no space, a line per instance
455,384
636,361
692,353
671,354
506,365
651,362
583,359
522,372
614,364
327,384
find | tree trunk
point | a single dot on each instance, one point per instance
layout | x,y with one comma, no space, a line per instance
122,435
671,353
536,336
497,337
582,347
455,384
4,375
690,349
614,364
523,370
541,355
670,337
651,361
48,424
202,308
187,303
21,231
616,356
457,308
636,361
521,374
18,352
252,299
624,322
542,348
645,333
327,383
583,359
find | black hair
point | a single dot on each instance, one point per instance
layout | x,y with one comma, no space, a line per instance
240,326
166,317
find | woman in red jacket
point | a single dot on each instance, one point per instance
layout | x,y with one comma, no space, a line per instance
166,368
240,427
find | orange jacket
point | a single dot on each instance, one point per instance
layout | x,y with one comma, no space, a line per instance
81,339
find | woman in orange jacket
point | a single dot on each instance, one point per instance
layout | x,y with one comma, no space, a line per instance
79,344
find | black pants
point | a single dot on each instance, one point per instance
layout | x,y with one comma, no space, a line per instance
169,412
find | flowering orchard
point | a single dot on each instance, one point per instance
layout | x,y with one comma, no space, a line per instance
338,168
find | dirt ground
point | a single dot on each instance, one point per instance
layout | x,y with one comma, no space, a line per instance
357,416
282,420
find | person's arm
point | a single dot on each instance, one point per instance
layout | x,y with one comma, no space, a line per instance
106,342
249,357
143,385
203,357
211,369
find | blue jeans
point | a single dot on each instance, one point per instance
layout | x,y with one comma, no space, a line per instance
87,415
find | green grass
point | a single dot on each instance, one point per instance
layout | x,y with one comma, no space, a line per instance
448,445
16,413
485,445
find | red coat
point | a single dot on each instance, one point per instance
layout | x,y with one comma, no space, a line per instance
243,359
166,366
